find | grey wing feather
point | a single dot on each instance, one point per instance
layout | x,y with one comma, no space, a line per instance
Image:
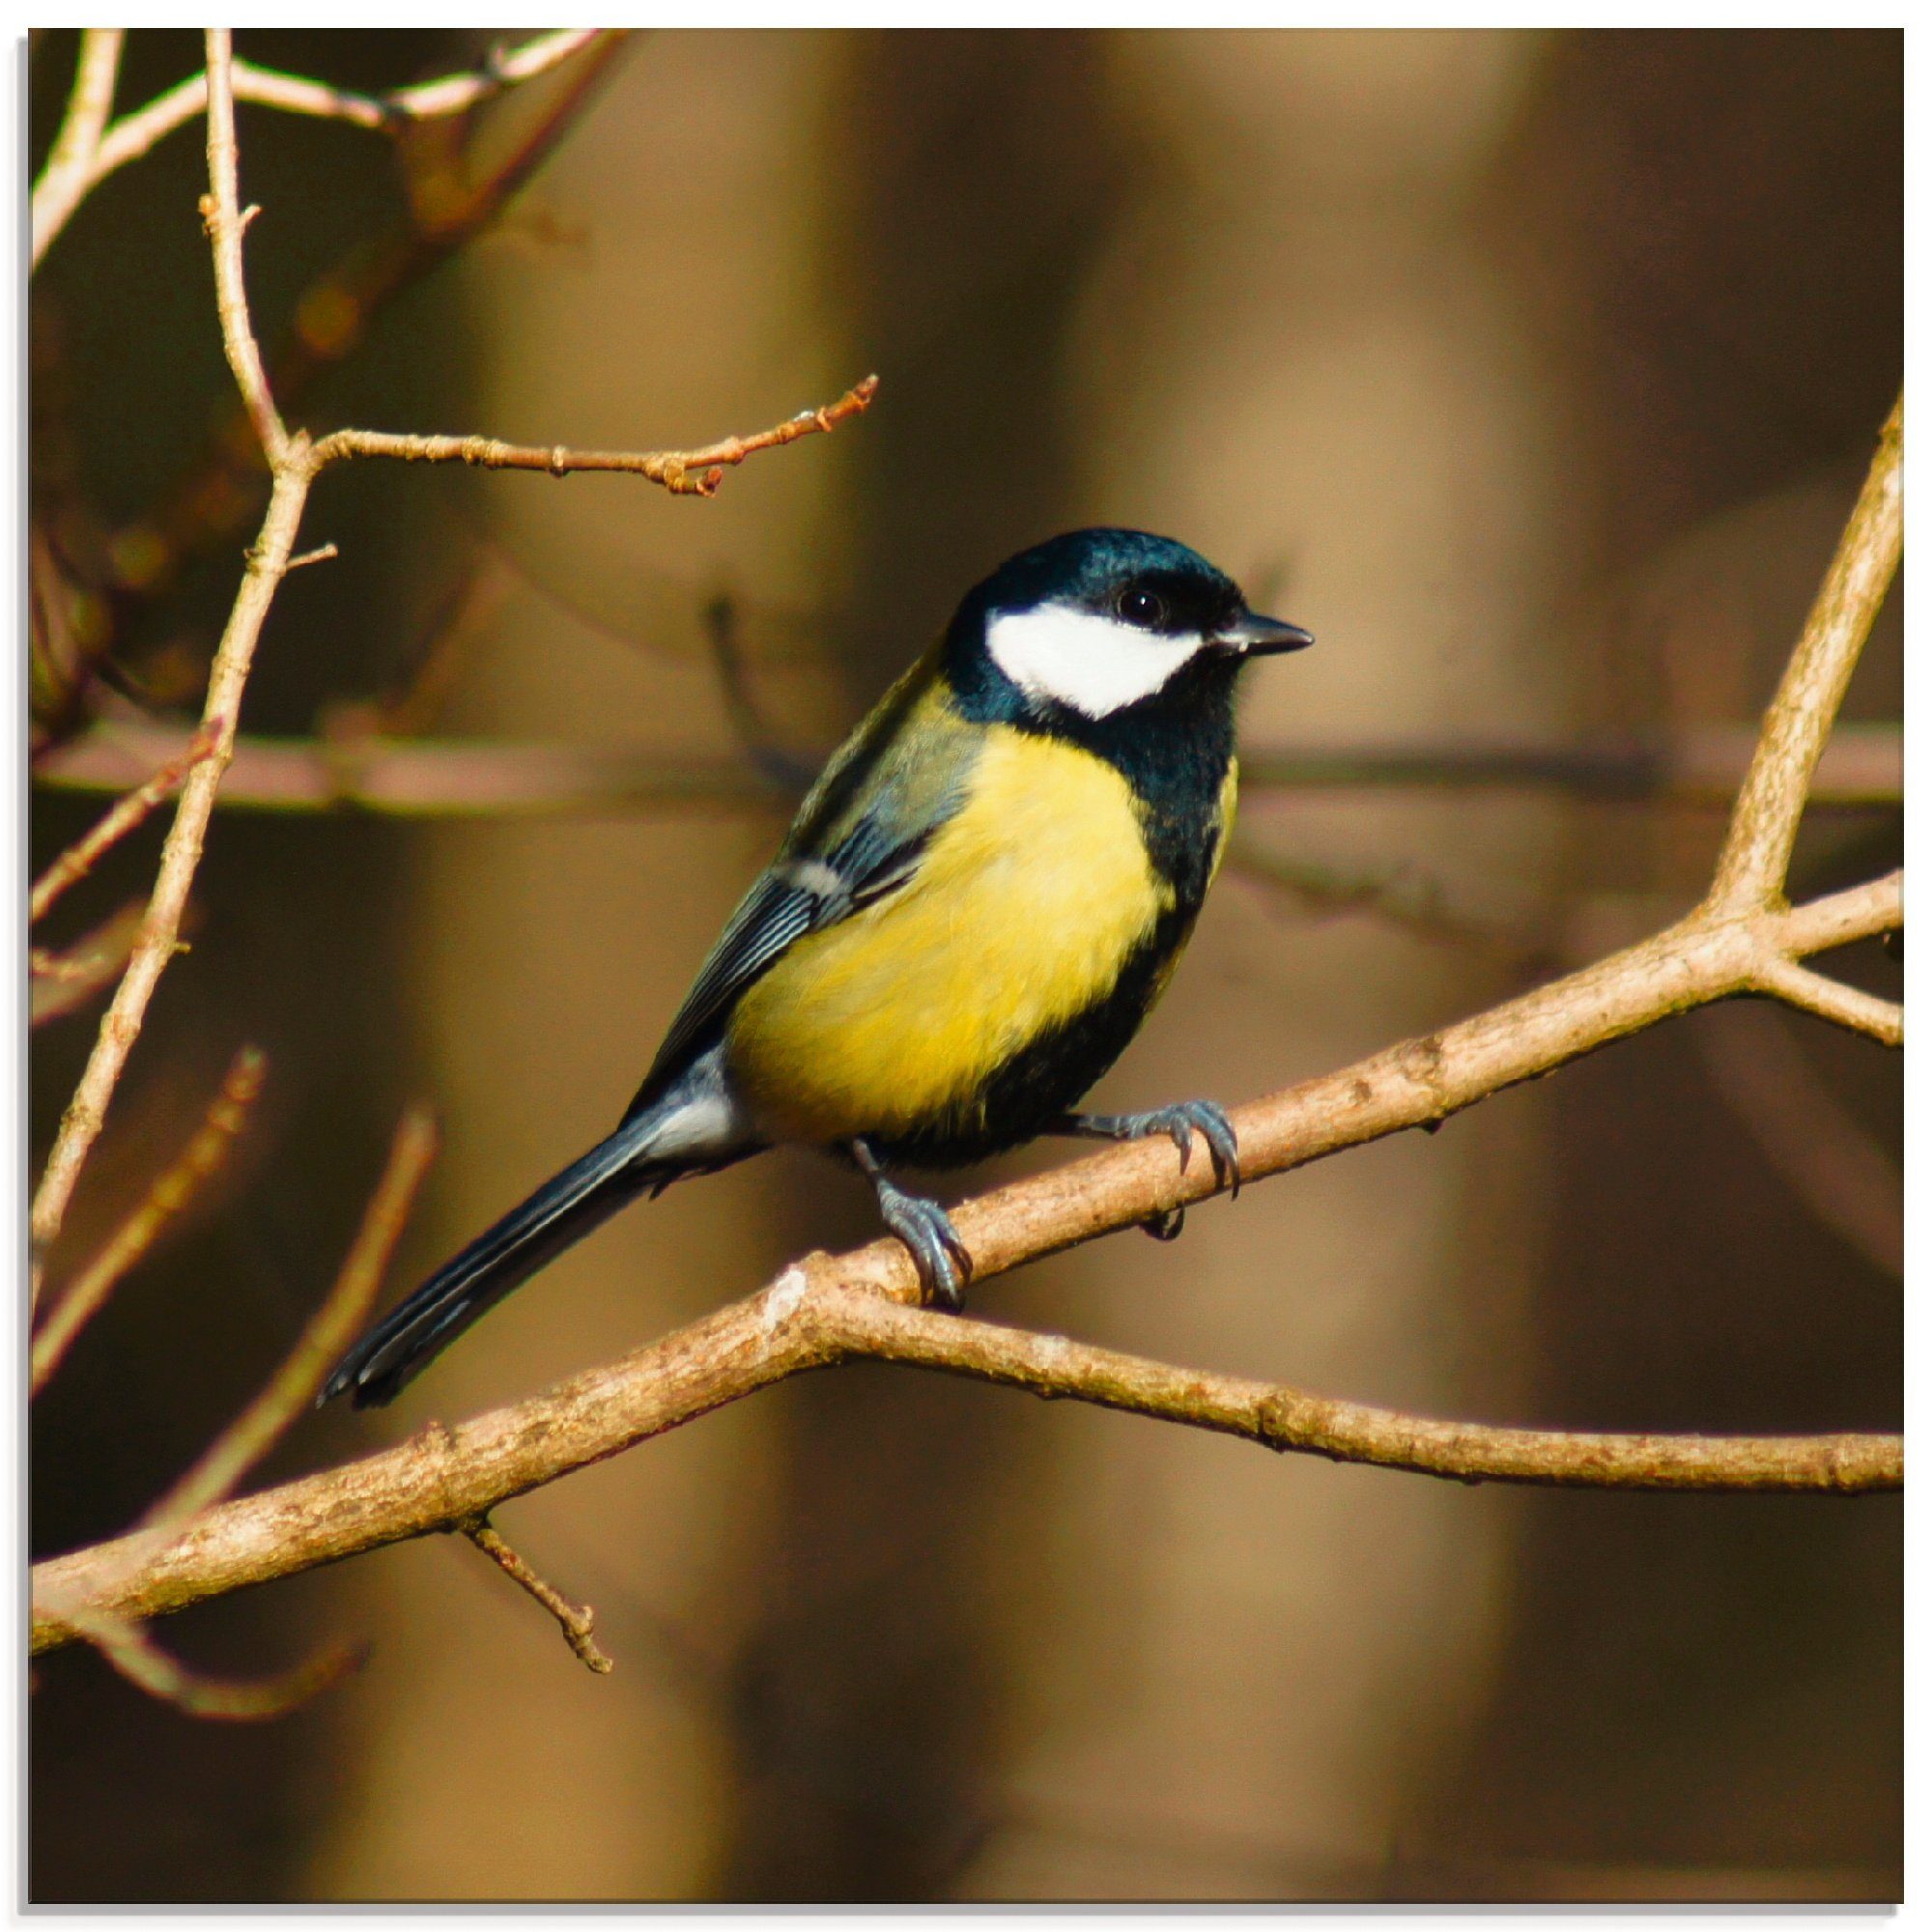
794,898
858,839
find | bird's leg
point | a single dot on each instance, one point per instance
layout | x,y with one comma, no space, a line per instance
945,1267
1180,1122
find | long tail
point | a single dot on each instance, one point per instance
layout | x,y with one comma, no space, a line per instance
558,1214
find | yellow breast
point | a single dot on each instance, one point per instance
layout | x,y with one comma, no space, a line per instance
1022,912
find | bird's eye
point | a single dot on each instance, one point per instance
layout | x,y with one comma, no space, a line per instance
1142,607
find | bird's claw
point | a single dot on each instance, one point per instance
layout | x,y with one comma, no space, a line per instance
1166,1225
1180,1122
940,1255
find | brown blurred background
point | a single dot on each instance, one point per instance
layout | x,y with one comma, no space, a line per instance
1535,374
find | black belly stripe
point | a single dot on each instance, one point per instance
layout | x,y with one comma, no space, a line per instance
1049,1074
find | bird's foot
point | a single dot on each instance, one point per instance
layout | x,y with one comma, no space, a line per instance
1180,1122
940,1255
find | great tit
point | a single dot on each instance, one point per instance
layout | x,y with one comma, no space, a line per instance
975,909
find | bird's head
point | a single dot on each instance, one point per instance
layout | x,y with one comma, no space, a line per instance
1098,621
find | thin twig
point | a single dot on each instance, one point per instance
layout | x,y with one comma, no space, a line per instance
1833,999
329,1330
135,132
180,853
576,1621
242,1444
1752,869
294,465
224,219
139,1659
60,983
684,473
171,1192
78,859
74,165
332,315
455,777
783,769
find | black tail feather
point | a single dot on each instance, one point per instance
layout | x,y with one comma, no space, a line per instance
558,1214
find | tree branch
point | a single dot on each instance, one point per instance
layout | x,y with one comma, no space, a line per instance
59,983
446,1477
144,1663
859,1325
1764,826
59,193
1833,999
576,1621
252,1434
684,473
74,165
168,1195
294,465
78,859
432,777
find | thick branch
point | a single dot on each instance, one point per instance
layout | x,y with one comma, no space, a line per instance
446,1477
860,1324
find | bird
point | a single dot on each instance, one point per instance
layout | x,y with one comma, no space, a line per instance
979,902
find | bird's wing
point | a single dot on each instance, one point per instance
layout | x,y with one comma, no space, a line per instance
859,838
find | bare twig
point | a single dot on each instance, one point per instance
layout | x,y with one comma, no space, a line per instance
134,133
196,1165
180,853
78,859
60,983
294,465
74,165
1833,999
332,1327
1757,851
139,1659
334,315
242,1444
684,473
452,777
225,220
576,1621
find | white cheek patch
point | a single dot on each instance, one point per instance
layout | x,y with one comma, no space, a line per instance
1093,664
